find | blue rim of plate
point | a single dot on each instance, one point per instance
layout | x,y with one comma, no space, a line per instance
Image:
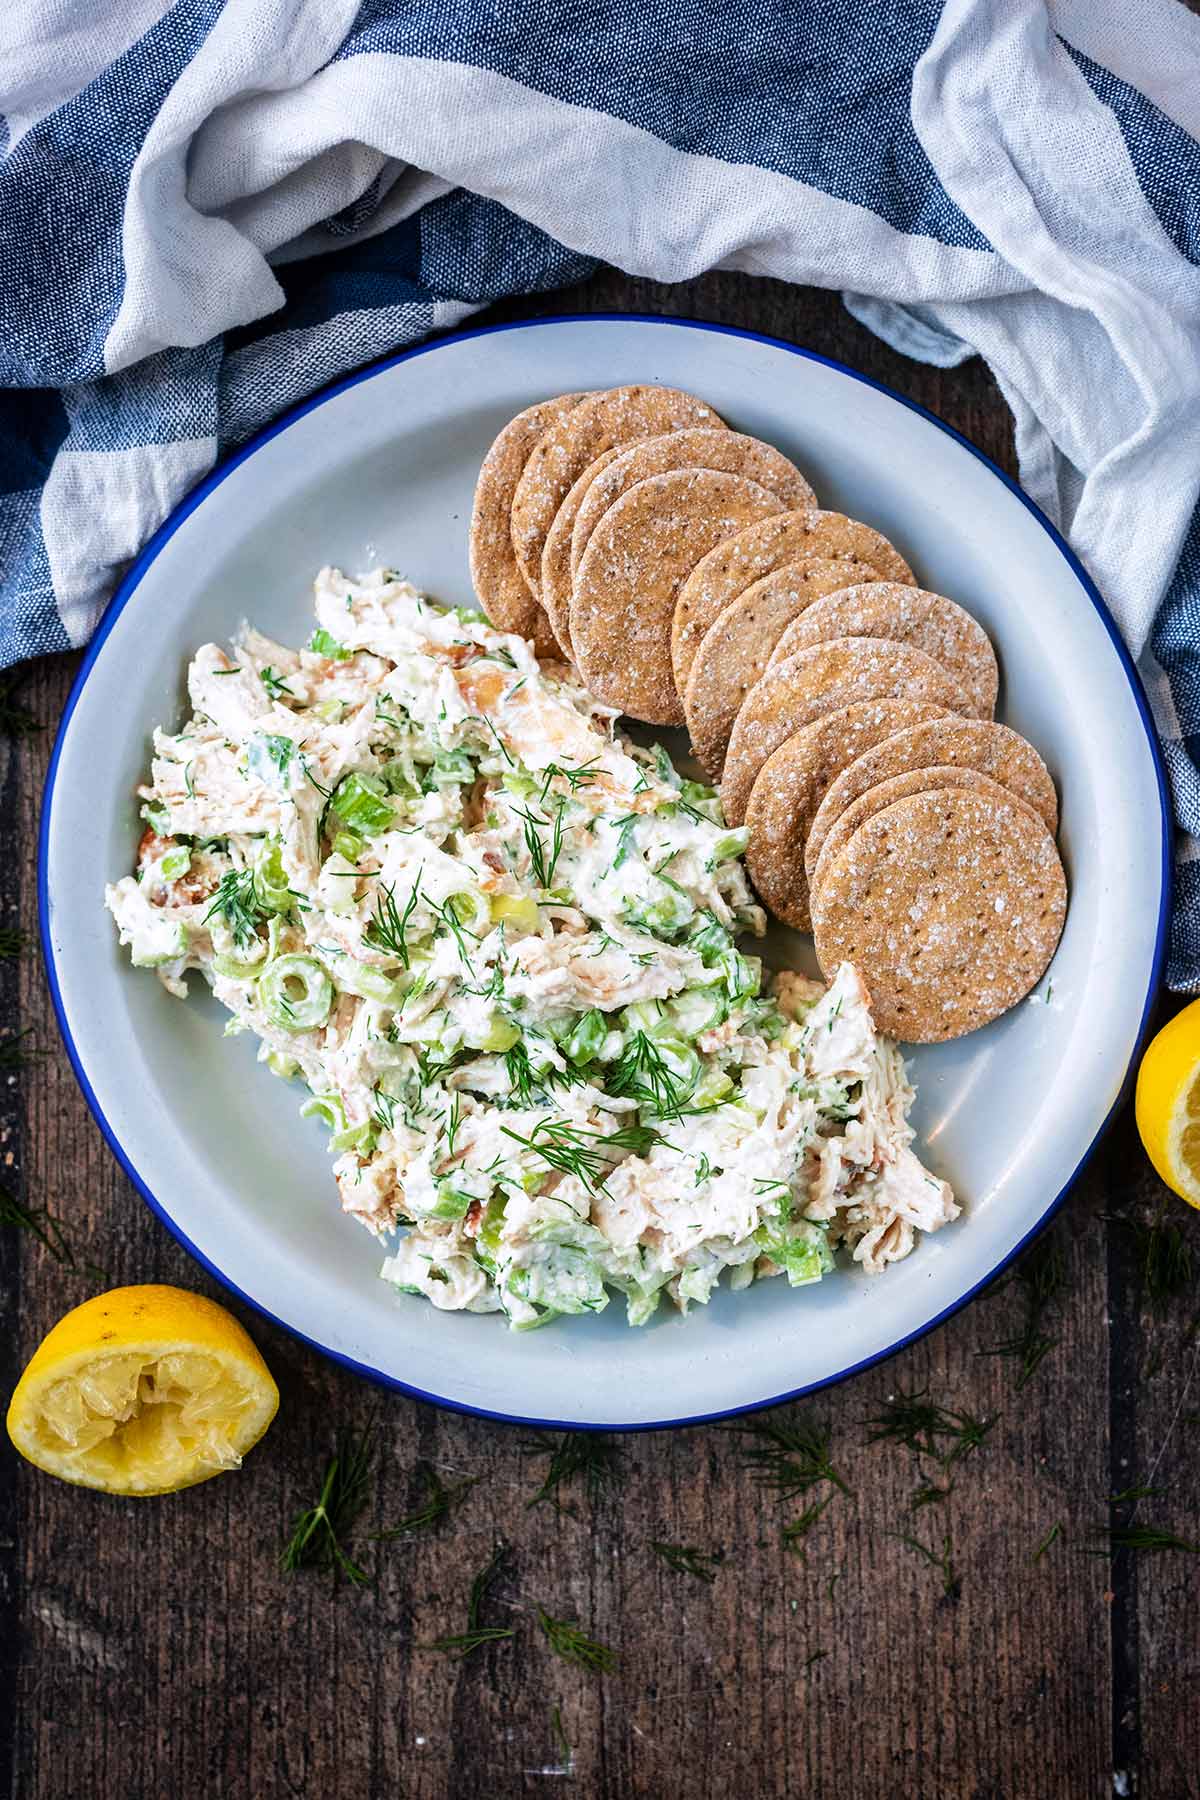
198,494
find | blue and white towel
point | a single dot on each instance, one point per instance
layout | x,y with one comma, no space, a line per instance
209,210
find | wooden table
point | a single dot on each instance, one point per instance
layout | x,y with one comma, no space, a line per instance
156,1648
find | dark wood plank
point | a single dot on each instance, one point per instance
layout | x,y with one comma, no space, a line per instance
156,1649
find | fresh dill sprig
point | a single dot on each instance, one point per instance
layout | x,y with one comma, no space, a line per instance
388,929
1041,1276
543,862
791,1458
794,1534
683,1559
588,1454
643,1074
451,1121
500,744
1051,1536
238,903
519,1070
274,683
1131,1495
316,1541
40,1224
438,1504
476,1635
15,722
573,1150
575,778
12,942
455,927
16,1054
574,1646
924,1427
939,1559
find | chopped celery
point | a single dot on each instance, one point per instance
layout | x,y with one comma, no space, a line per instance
271,888
360,803
732,844
451,1202
452,765
348,844
709,938
518,909
323,643
176,862
585,1040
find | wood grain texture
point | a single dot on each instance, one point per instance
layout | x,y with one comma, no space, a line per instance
156,1649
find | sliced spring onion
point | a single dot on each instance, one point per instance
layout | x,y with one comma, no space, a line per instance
296,993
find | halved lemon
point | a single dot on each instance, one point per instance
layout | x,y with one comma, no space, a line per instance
1167,1105
142,1390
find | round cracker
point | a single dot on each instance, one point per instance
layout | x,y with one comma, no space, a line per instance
736,649
501,588
950,903
617,416
898,787
639,556
994,750
789,787
819,681
555,584
730,569
731,451
909,615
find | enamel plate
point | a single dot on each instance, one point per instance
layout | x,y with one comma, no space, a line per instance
382,470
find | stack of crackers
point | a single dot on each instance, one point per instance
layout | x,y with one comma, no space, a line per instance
688,572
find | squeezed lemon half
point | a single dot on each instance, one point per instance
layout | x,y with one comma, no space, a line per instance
1167,1105
142,1390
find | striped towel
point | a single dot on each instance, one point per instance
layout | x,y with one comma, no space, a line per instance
209,210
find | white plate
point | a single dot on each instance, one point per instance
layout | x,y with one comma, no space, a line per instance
382,469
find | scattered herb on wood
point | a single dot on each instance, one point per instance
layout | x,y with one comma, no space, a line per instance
561,1739
792,1458
928,1429
930,1494
587,1454
16,1054
1054,1533
12,942
15,721
685,1560
40,1224
794,1534
574,1646
316,1541
815,1657
1131,1495
1041,1276
440,1501
477,1634
1140,1537
939,1559
1164,1254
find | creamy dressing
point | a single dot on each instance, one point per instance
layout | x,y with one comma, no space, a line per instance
497,942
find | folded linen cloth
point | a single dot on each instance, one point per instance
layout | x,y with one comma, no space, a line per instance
208,210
